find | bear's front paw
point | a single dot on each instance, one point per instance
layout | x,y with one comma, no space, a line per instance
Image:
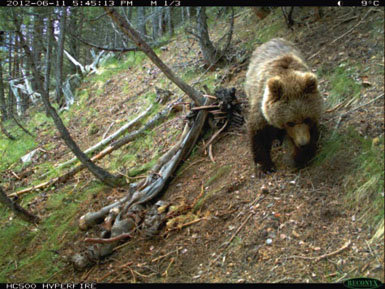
262,171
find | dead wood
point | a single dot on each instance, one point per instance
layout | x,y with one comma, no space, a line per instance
110,240
111,137
17,209
205,107
128,30
317,258
131,204
113,146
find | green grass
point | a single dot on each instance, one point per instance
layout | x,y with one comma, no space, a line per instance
342,84
29,253
364,179
12,151
366,185
217,173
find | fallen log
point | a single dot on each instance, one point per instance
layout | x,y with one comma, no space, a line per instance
110,138
155,182
113,146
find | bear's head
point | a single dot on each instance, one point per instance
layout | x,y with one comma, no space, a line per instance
293,102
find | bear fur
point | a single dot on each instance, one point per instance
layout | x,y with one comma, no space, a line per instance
284,101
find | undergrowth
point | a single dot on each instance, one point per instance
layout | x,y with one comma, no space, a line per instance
364,181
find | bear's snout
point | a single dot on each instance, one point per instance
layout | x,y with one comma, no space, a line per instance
300,134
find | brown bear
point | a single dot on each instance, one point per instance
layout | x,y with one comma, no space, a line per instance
284,100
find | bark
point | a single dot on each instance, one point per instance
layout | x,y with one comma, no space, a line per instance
129,211
59,59
36,42
155,23
48,57
20,125
17,209
170,24
135,37
73,42
110,138
97,171
11,97
5,132
114,146
3,107
164,168
141,21
16,73
208,50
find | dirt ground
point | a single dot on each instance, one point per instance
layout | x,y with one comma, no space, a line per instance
287,227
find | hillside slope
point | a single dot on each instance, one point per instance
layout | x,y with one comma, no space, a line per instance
321,224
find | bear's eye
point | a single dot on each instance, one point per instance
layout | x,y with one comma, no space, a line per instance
307,120
291,124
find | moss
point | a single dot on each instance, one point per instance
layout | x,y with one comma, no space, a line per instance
12,151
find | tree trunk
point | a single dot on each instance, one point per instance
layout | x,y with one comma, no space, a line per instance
17,209
47,75
59,61
11,97
170,24
141,21
3,107
97,171
16,74
73,42
36,42
209,52
135,37
155,24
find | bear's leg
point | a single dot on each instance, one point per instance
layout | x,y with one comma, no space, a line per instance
261,141
304,154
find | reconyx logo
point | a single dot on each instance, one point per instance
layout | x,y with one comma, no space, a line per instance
359,283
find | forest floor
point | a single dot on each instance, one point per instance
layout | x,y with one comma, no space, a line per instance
290,226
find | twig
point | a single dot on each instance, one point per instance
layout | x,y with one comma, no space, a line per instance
121,246
338,38
338,123
192,222
164,256
190,165
205,107
144,276
211,153
283,279
216,134
108,129
133,274
165,273
109,240
238,230
210,96
104,276
244,222
85,276
317,258
358,107
16,176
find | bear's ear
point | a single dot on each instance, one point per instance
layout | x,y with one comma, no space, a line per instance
310,83
275,87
